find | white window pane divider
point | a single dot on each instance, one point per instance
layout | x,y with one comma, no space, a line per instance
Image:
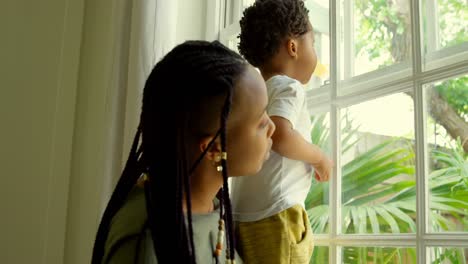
422,207
348,37
321,97
432,28
385,77
393,240
446,240
448,58
334,252
368,240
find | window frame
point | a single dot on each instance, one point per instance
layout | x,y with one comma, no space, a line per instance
338,94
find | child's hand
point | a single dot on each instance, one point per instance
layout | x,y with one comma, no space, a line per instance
323,169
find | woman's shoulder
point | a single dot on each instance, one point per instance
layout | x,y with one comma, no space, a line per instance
133,250
131,218
127,228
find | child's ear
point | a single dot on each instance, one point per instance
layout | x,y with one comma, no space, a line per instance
215,148
291,46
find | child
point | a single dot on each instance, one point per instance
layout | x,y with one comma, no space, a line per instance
199,101
273,227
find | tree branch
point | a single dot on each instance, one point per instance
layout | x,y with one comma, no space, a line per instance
444,115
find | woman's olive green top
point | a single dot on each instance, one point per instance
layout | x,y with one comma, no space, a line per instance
129,239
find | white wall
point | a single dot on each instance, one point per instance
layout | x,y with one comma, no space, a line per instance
39,48
62,110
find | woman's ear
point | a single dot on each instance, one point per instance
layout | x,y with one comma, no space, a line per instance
215,148
291,47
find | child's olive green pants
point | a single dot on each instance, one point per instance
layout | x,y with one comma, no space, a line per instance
284,238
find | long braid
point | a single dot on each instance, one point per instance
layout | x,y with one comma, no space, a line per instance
221,215
183,168
129,175
227,201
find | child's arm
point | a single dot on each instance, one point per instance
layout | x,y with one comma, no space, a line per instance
290,144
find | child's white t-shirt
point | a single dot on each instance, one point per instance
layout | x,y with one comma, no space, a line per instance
282,182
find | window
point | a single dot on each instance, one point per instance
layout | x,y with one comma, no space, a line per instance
389,103
445,32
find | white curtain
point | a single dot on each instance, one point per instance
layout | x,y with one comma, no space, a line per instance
121,40
153,34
